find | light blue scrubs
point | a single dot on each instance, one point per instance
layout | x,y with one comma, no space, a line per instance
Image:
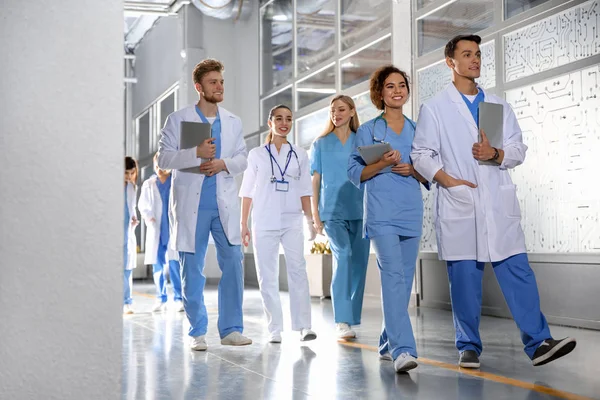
229,257
126,272
518,285
393,221
341,210
159,270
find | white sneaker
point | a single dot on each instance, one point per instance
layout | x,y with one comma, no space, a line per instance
386,356
307,334
344,332
178,306
405,362
235,339
127,309
275,338
159,306
199,343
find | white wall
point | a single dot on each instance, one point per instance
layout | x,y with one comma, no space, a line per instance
61,202
157,64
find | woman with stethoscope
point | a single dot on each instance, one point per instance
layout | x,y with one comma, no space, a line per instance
338,207
393,210
277,183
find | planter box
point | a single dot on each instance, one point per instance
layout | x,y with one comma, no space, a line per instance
319,270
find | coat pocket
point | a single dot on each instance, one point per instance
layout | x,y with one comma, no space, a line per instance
510,203
456,202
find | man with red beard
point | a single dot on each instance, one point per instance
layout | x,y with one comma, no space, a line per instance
206,203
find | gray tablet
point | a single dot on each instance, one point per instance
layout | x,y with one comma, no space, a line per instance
373,153
192,135
491,121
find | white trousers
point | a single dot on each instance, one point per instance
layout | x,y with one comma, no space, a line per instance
266,258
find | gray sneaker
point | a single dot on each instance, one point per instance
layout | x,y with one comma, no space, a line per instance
469,359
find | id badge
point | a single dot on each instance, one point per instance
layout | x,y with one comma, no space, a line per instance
282,186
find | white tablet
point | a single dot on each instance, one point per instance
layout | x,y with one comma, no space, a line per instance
373,153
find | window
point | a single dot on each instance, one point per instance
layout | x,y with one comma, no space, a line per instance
276,44
514,7
359,67
424,3
315,41
460,17
311,126
284,97
362,19
144,131
316,87
365,108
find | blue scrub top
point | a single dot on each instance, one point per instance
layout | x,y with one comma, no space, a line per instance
474,106
339,199
208,196
393,203
164,189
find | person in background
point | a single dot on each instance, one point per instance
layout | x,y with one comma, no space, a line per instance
131,221
337,206
277,185
154,209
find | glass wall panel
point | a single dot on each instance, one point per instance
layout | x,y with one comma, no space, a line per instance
284,97
460,17
316,87
514,7
166,107
276,44
143,134
362,19
558,40
311,126
359,67
253,141
558,117
365,108
315,22
424,3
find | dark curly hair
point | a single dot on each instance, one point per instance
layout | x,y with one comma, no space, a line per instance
377,80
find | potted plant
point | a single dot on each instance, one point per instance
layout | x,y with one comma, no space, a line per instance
319,269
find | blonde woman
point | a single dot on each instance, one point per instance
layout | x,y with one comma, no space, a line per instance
337,207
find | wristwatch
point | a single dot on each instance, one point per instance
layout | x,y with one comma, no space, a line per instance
496,154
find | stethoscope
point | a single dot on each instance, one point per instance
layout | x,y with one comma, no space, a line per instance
373,130
287,164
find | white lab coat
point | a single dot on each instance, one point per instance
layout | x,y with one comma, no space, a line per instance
150,206
275,210
186,186
480,224
131,241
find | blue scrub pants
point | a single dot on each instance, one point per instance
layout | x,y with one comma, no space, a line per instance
231,286
519,287
350,259
396,259
127,283
160,275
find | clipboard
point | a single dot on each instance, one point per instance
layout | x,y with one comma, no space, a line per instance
491,121
192,134
373,153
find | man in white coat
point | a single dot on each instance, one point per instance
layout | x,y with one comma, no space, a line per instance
477,214
204,201
154,208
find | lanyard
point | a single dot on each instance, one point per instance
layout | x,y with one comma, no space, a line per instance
287,163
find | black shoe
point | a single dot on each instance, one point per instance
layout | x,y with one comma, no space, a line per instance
551,349
468,359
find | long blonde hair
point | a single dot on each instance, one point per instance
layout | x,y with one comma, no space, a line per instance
354,122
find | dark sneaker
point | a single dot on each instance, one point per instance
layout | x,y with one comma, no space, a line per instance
468,359
551,349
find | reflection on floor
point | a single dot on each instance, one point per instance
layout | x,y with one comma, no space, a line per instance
157,362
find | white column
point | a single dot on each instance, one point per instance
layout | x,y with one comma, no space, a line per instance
402,55
61,199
